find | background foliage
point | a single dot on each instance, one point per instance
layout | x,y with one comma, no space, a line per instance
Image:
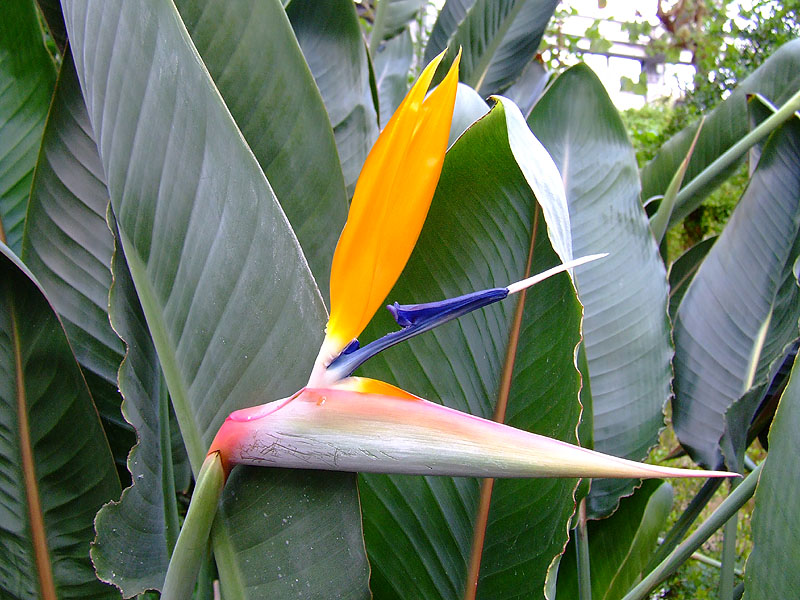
172,185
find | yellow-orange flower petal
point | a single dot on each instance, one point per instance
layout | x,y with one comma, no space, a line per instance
389,206
365,385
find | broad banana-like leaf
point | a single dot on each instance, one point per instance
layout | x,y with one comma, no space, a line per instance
231,305
771,570
392,18
484,228
499,39
27,77
330,37
759,108
683,270
740,313
469,108
256,63
777,79
392,63
68,246
136,535
620,546
528,88
626,330
56,468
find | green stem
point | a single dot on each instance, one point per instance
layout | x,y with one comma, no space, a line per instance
677,557
726,574
582,550
682,205
172,523
712,562
684,522
192,542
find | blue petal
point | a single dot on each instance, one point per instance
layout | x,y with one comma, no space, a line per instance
415,319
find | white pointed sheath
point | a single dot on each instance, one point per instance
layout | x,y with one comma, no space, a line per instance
334,429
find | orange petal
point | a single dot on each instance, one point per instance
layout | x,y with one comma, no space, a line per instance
390,203
366,385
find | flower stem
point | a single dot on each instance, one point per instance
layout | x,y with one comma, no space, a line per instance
582,553
193,540
677,557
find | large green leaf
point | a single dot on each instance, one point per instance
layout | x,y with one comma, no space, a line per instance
772,566
683,270
56,469
136,535
499,39
256,63
620,546
777,79
483,224
392,18
392,63
68,246
229,300
331,40
741,310
27,77
626,330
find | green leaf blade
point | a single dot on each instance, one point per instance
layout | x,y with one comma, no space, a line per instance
771,568
68,246
230,302
256,63
27,77
49,498
330,37
626,331
740,312
478,234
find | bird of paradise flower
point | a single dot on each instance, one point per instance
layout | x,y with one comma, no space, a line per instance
346,423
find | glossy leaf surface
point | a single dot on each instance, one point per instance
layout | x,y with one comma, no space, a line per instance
56,469
256,64
136,535
771,570
330,37
626,331
220,275
478,234
68,246
392,62
741,310
27,77
498,39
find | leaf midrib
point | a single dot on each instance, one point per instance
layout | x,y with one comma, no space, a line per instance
44,570
487,485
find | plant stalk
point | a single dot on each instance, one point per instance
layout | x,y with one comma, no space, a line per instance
684,522
192,543
582,553
726,574
730,156
677,557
